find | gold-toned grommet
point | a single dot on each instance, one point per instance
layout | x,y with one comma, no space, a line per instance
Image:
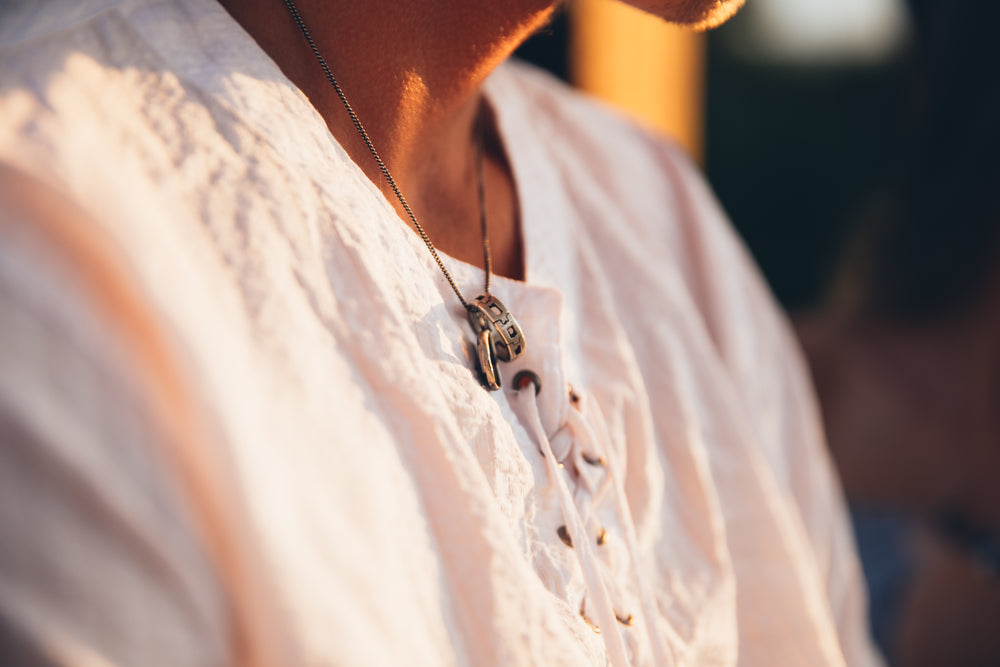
626,621
583,615
522,379
595,460
602,537
574,398
564,536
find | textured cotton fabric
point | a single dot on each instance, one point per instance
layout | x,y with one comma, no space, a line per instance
238,413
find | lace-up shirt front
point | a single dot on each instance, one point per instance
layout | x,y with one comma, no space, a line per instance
352,495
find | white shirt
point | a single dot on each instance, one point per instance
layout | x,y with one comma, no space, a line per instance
241,422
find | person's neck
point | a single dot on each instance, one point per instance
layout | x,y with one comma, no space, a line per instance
412,71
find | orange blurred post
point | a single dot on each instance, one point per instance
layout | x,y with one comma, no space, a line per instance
649,69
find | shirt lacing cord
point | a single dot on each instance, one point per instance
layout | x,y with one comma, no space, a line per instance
594,476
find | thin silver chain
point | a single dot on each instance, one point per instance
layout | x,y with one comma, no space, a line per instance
487,255
487,258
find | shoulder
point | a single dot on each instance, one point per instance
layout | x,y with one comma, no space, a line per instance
23,22
79,89
623,179
84,451
638,189
648,175
639,200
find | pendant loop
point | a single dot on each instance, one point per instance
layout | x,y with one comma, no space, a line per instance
487,313
489,374
498,337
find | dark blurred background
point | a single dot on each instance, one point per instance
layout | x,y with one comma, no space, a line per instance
855,146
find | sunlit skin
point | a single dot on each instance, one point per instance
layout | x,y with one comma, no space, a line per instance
696,14
413,72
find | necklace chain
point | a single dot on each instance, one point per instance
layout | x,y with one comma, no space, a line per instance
487,257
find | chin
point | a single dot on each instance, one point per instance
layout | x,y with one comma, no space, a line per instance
696,14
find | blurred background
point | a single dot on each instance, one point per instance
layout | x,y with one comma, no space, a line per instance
855,146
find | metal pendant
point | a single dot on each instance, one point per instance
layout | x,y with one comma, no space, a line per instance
498,337
489,373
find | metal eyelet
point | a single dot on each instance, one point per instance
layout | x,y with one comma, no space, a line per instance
627,621
583,615
574,398
564,536
522,379
602,537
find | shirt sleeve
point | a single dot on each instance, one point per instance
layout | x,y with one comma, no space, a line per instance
100,562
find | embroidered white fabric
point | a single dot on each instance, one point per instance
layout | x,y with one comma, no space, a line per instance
401,514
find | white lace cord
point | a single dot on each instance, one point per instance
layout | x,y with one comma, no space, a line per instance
582,428
588,469
610,632
593,483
